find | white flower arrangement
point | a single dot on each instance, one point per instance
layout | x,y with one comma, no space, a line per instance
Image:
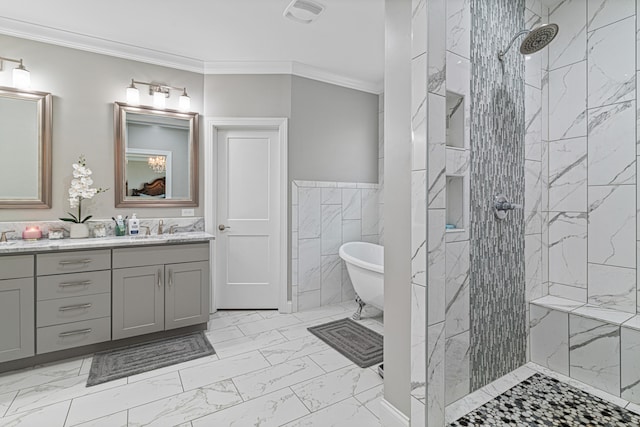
81,190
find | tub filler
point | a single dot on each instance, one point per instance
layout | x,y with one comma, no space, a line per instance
365,264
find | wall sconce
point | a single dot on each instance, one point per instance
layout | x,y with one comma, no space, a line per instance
21,76
160,93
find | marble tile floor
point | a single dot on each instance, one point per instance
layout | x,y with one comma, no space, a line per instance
268,371
482,396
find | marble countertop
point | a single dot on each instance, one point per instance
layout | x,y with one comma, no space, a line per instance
45,245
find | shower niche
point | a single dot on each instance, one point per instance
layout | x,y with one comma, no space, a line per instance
455,120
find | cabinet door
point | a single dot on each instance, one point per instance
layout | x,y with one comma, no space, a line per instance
187,294
17,325
138,301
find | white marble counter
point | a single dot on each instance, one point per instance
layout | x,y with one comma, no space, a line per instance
45,245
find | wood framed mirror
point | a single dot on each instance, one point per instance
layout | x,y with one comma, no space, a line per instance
156,154
25,149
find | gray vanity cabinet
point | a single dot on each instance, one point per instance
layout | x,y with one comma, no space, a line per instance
17,330
138,301
171,293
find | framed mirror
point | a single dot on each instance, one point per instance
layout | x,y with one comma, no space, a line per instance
156,157
25,149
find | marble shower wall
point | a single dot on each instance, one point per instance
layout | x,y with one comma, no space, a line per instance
592,177
324,216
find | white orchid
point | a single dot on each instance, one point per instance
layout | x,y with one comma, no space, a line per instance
80,189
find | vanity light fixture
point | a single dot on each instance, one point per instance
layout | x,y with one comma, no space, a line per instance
160,93
21,76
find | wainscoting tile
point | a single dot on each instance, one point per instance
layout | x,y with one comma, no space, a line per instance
331,237
309,265
369,212
549,335
309,300
351,203
594,353
331,290
331,196
611,52
309,221
351,230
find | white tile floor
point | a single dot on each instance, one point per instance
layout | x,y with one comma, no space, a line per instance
268,370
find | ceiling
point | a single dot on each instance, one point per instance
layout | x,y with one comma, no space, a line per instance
345,45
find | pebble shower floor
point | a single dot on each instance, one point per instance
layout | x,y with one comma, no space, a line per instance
543,401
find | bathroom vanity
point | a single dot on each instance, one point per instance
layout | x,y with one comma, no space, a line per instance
69,297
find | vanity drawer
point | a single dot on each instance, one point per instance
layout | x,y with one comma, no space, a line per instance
73,285
77,334
16,266
157,255
66,310
70,262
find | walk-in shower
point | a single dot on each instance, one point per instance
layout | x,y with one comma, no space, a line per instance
536,39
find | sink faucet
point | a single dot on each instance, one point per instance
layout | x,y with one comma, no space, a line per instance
3,237
160,227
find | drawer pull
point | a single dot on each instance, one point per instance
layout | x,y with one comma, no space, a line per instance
77,261
75,307
159,278
170,277
68,284
78,332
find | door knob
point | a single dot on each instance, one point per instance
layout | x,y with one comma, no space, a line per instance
223,227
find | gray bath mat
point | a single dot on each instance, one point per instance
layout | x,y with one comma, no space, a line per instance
359,344
126,361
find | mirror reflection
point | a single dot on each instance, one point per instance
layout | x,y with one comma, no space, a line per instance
158,152
25,142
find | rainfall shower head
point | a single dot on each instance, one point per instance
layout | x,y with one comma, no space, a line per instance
536,39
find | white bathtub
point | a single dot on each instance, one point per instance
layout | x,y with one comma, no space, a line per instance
365,264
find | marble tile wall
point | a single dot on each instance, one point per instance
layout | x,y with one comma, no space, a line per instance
324,216
591,216
421,338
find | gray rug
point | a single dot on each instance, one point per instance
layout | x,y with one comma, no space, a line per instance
359,344
126,361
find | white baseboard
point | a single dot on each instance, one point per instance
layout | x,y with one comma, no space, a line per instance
391,416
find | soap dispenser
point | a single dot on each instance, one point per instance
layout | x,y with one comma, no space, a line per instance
134,225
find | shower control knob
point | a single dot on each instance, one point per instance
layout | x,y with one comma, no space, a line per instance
502,206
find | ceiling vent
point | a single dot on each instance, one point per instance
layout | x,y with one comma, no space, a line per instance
303,11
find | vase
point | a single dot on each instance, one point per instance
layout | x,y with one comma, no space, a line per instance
78,231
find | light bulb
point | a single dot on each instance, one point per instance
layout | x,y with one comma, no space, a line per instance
184,102
133,95
21,77
158,99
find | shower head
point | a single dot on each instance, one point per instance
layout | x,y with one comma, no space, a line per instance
536,39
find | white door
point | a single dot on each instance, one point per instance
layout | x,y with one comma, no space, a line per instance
248,216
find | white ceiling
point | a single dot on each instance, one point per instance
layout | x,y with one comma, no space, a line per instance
345,45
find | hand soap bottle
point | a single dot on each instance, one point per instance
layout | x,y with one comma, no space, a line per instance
134,225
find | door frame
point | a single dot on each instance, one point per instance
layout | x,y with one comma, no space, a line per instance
212,126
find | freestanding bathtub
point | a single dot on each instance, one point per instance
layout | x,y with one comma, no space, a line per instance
365,264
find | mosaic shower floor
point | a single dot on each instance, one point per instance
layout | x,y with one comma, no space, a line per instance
543,401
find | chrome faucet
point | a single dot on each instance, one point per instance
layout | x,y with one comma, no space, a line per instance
160,227
3,237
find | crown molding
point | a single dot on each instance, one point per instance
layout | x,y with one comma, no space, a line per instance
291,67
41,33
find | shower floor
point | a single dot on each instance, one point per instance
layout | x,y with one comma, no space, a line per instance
531,397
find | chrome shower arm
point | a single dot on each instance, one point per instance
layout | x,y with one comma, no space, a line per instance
502,53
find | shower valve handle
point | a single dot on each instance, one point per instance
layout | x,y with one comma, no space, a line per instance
502,206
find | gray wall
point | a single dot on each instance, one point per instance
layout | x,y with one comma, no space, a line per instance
331,132
84,86
397,204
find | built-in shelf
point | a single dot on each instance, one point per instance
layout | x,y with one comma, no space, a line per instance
455,120
455,203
